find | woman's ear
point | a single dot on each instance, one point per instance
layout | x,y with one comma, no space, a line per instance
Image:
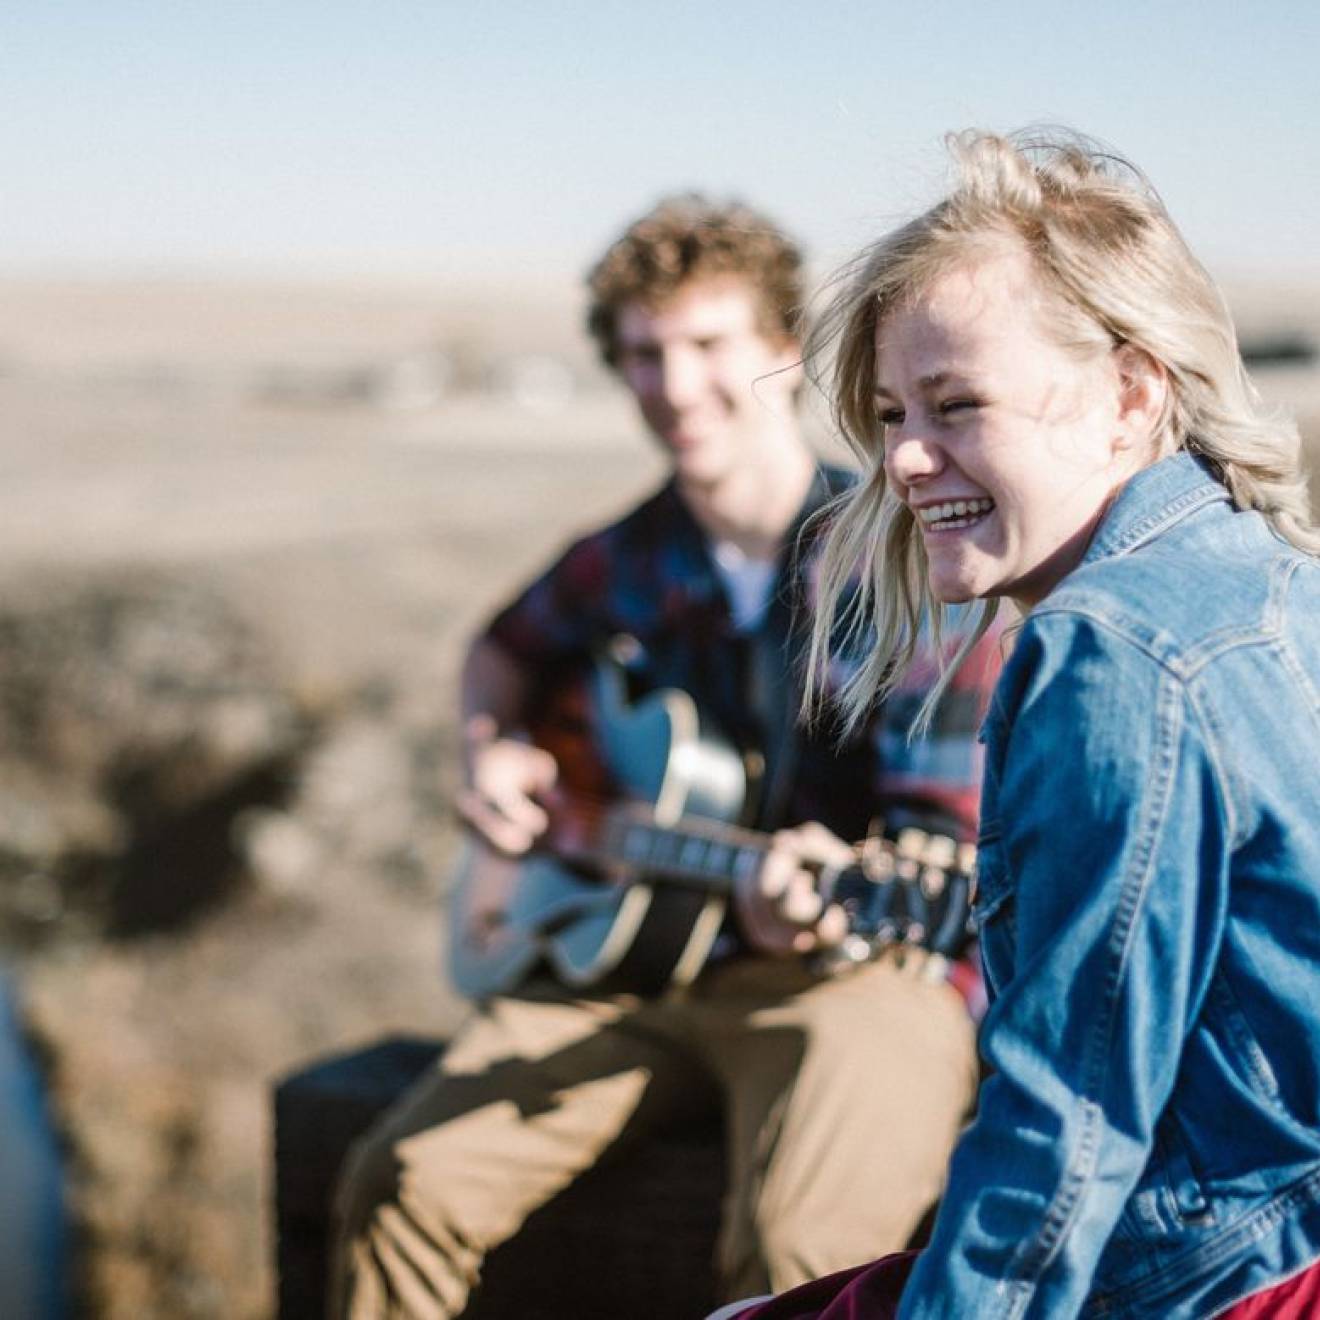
1143,394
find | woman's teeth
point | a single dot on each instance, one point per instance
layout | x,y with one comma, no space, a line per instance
954,513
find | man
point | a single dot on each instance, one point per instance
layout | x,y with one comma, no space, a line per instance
843,1094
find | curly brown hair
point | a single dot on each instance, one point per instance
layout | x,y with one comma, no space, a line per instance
689,237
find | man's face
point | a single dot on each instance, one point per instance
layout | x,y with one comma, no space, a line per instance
709,383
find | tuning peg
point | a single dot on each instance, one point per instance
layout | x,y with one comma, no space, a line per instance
937,857
940,850
876,858
933,881
908,849
911,843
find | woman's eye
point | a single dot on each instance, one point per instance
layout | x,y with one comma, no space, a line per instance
890,416
956,405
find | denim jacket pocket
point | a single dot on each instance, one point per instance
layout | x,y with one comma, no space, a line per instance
1169,1196
995,910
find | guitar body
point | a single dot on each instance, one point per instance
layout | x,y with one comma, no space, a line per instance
630,887
509,917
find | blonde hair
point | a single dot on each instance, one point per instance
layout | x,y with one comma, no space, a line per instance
1115,270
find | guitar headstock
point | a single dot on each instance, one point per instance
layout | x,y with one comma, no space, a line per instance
912,890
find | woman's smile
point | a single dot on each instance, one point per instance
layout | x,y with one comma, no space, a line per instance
953,515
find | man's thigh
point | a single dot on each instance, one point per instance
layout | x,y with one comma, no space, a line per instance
846,1097
532,1092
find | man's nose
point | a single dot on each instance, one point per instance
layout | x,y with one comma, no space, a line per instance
682,376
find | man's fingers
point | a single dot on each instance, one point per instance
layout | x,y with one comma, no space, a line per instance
521,811
780,905
800,903
476,807
542,769
832,928
812,842
776,873
503,832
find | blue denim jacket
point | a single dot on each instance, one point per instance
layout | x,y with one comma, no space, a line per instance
1148,1142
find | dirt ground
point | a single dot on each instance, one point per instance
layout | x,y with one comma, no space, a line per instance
360,538
360,473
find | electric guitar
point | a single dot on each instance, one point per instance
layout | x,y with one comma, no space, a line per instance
631,891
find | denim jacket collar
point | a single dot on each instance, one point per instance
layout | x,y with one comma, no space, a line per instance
1154,499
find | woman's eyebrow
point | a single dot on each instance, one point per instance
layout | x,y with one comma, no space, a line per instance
929,382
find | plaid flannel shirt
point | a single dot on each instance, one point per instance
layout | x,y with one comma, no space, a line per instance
650,577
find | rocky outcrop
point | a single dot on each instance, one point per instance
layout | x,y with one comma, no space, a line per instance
207,875
138,719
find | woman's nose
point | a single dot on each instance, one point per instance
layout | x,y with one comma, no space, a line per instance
911,456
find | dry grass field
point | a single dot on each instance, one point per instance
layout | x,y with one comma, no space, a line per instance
357,472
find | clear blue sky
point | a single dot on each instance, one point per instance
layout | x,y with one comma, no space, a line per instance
212,135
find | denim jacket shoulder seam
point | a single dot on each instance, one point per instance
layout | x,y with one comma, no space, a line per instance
1266,631
1270,634
1219,767
1182,672
1298,672
1282,579
1116,628
1184,664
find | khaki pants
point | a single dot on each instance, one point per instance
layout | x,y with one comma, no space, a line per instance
843,1100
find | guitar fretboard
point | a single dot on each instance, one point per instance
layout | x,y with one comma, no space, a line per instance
713,857
915,888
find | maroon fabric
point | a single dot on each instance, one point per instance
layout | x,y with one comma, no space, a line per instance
872,1292
865,1292
1297,1298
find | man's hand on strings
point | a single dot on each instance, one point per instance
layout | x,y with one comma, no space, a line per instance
779,907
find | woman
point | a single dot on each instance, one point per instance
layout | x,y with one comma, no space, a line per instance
1045,392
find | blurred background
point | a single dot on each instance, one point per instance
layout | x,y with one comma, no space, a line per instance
293,388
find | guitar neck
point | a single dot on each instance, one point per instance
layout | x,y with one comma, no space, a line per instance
697,853
915,889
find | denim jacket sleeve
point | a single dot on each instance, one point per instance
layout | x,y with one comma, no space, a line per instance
1103,887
